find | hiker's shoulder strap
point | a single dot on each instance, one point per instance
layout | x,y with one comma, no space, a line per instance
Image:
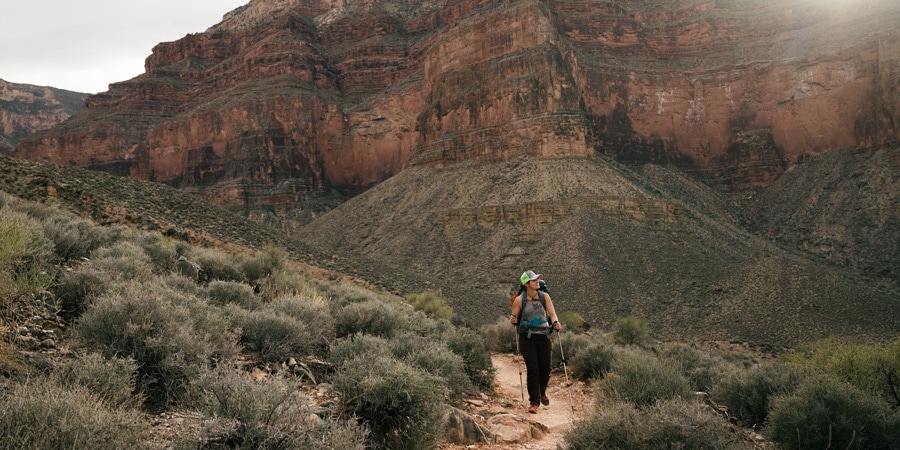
542,299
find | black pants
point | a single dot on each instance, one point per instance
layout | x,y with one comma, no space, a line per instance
536,353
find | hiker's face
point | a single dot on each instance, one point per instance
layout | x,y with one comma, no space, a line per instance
534,284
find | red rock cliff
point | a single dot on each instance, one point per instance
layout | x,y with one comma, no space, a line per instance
285,96
25,109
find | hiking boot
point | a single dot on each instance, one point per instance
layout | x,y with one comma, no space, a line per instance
533,409
545,400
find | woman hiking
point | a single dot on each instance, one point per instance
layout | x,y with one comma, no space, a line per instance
535,318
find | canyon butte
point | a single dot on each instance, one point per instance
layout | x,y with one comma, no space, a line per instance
726,169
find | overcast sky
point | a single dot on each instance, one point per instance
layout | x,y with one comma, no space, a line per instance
84,45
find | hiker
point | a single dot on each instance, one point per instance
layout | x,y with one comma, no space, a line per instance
535,318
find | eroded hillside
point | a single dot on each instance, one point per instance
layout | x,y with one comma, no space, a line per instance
611,242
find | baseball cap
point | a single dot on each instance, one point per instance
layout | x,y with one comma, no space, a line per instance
529,276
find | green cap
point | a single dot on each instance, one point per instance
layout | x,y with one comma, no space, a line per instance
529,276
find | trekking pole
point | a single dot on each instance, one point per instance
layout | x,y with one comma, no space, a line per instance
562,356
521,386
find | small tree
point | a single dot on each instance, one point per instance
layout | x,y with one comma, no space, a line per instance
631,331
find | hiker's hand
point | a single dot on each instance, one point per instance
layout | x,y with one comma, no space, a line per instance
557,326
513,319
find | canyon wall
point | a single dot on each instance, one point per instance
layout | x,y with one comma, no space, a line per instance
286,97
26,109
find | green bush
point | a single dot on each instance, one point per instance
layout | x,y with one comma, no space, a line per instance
436,359
593,361
824,413
374,317
431,304
341,294
269,414
158,329
311,309
641,378
77,288
25,257
270,260
276,336
222,293
44,414
111,380
283,283
700,367
160,250
499,336
675,423
400,404
631,331
358,346
748,392
73,238
572,321
124,260
217,265
572,345
870,366
468,344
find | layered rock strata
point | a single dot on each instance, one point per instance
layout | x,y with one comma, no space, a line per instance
285,97
26,109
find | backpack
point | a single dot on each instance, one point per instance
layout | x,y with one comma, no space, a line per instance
519,289
522,295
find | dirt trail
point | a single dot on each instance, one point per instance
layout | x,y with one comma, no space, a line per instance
567,404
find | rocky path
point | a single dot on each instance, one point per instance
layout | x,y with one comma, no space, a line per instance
568,403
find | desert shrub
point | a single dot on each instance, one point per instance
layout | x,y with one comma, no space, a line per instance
748,392
288,282
572,321
28,209
217,265
72,238
160,250
593,361
400,404
374,317
631,331
111,380
309,308
75,290
342,294
431,304
44,414
572,345
277,336
123,260
825,413
269,260
641,378
499,336
269,414
433,358
153,326
468,344
675,423
12,362
359,346
25,256
185,285
700,367
222,293
871,366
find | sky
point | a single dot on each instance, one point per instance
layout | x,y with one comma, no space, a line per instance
84,45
